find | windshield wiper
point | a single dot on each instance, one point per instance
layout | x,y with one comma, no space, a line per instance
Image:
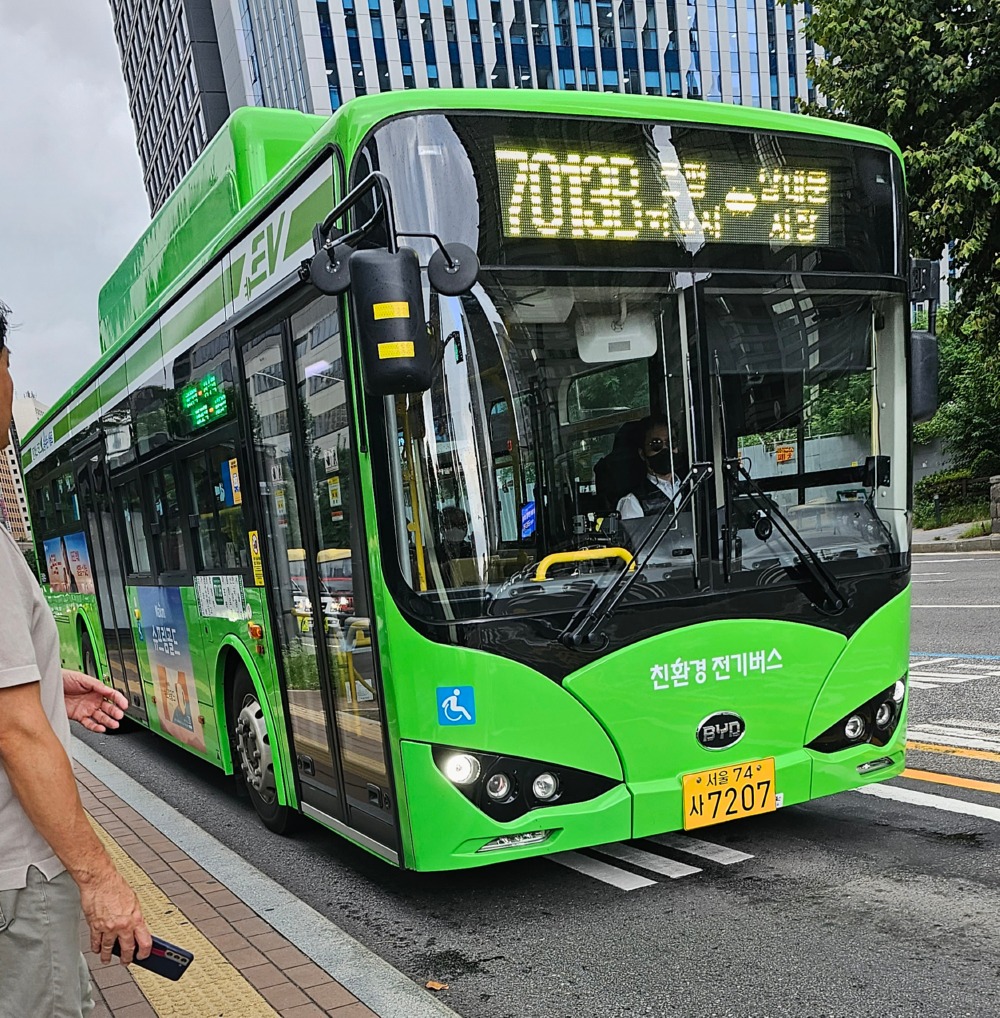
583,628
834,601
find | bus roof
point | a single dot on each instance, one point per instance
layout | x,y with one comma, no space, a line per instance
258,152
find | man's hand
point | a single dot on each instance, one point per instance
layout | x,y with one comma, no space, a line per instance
89,701
113,913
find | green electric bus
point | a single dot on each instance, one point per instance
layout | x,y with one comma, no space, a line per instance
585,418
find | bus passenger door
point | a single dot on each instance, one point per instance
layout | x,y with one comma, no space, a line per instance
311,532
109,579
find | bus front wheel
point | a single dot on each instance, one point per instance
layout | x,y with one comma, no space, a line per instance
252,756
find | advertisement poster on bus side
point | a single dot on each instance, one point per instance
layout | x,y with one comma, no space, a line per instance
67,564
165,634
221,597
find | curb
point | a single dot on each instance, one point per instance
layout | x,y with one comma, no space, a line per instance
987,543
364,974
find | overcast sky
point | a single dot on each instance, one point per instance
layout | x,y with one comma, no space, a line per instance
72,202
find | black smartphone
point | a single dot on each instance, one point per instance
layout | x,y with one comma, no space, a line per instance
166,959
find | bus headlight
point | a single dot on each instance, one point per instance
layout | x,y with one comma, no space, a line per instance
462,768
874,722
498,786
507,787
545,786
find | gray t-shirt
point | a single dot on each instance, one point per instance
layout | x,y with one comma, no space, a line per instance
29,652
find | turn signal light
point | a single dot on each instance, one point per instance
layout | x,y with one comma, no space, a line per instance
256,631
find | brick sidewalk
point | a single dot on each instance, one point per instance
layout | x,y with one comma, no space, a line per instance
243,967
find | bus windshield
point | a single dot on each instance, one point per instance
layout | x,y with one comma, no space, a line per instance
567,408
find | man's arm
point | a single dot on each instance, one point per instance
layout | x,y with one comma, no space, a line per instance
42,778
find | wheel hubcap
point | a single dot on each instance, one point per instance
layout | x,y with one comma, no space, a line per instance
254,748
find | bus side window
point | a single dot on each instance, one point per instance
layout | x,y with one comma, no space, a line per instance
217,502
134,515
168,535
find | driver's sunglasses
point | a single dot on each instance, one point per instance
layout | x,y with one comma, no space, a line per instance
655,443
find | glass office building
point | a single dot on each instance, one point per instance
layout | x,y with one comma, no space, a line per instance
187,63
173,76
751,52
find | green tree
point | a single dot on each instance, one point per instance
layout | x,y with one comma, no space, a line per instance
927,72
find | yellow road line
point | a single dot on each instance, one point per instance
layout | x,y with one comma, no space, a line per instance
971,754
950,779
212,986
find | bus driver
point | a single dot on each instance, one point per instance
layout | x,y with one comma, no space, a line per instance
665,471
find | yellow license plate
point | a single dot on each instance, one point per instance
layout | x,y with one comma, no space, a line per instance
728,793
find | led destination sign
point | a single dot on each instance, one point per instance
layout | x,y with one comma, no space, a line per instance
554,192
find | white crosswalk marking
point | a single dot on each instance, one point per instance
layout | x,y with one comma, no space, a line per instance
964,736
930,673
983,726
702,849
622,879
648,861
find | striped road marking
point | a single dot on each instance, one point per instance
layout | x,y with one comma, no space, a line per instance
930,673
942,802
650,862
622,879
959,734
703,849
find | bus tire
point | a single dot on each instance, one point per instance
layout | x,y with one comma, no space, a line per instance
252,759
88,659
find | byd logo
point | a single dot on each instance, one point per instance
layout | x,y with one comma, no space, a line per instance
721,730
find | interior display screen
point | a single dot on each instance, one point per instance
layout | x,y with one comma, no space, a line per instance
548,190
203,403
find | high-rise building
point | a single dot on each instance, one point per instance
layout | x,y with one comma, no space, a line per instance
187,63
13,499
176,90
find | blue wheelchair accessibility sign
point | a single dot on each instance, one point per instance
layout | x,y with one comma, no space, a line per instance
456,705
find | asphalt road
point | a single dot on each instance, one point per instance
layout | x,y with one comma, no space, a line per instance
854,905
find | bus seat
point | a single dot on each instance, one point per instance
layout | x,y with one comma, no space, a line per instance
463,572
504,566
622,470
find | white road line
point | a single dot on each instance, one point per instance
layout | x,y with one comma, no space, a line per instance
941,573
702,849
922,685
977,726
648,860
622,879
972,809
920,660
946,677
954,579
930,733
994,606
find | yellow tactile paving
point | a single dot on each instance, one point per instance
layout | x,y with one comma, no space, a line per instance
211,986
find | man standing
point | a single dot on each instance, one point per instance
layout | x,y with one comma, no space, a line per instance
51,861
664,473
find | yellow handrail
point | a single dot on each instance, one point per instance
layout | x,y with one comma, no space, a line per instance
584,555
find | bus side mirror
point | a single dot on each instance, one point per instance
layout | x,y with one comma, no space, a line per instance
923,376
389,315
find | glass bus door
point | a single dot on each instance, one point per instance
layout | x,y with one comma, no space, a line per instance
109,578
311,536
